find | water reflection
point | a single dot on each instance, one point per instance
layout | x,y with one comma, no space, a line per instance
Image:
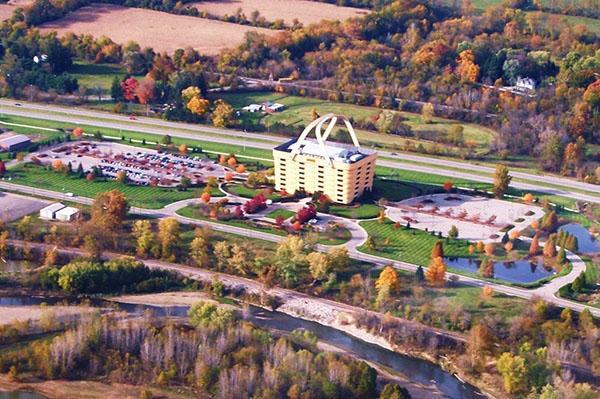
519,271
585,241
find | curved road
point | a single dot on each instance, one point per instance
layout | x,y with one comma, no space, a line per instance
546,292
263,141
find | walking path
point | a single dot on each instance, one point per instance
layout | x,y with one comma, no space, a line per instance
547,291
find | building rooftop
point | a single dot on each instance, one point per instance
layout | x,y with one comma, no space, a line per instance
8,139
53,207
68,211
339,152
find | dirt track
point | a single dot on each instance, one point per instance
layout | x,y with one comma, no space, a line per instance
162,31
307,12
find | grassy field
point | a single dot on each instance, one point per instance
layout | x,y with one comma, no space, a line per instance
140,196
97,75
592,24
408,245
459,296
280,212
298,112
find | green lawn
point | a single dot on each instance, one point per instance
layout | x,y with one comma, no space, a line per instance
298,112
247,192
362,211
408,245
140,196
97,75
280,212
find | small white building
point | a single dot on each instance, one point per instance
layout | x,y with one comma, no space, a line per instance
49,212
253,108
273,107
525,84
67,214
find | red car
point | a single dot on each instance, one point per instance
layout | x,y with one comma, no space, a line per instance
133,118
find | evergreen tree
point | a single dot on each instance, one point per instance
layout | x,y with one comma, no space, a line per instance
116,91
561,257
420,275
80,172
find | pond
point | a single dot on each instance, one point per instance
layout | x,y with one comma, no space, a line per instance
585,241
423,373
520,271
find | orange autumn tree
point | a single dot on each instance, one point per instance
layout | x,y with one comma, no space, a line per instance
183,149
448,185
228,176
205,197
145,92
240,168
232,162
534,247
436,272
77,132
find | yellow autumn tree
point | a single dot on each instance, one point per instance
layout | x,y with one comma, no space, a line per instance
436,272
387,284
223,115
466,69
198,105
190,92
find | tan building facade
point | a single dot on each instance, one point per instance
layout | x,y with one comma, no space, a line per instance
343,172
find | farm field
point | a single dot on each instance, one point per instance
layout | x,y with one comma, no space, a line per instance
591,23
140,196
162,31
6,11
307,12
298,112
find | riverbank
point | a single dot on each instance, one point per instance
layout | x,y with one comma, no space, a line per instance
88,389
335,317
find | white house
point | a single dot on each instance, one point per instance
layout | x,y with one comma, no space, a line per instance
49,212
277,107
525,84
253,108
67,214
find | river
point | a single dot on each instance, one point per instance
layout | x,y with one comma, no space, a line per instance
428,376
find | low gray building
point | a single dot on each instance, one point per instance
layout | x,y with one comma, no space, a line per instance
14,142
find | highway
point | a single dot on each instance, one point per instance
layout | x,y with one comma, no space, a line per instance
568,187
546,292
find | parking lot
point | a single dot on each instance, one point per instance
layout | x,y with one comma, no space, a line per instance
142,166
14,206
